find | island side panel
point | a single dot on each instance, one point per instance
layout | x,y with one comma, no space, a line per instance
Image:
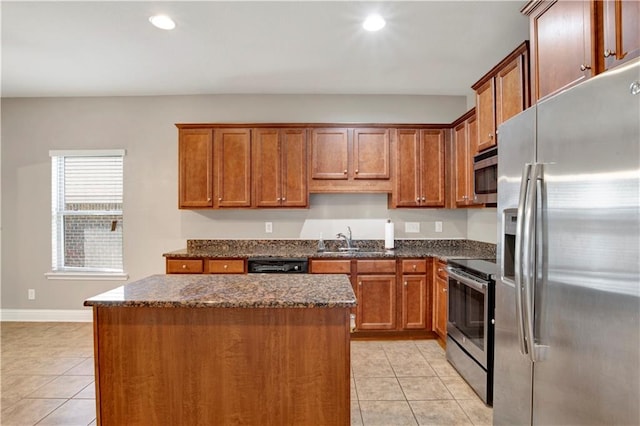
168,366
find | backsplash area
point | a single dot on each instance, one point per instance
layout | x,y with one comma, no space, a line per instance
330,214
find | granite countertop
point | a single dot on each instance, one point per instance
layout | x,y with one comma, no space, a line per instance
232,291
443,249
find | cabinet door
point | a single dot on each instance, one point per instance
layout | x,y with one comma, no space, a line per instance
472,148
376,308
414,302
195,158
371,154
440,307
621,31
486,115
561,46
294,168
408,167
267,171
462,156
432,168
510,90
329,154
232,167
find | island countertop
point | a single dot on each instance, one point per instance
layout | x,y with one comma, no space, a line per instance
232,291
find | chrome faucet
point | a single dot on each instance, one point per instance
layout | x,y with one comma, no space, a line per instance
348,240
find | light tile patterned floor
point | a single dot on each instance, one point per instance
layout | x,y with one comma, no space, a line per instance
46,374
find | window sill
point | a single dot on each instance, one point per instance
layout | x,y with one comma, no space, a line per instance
87,276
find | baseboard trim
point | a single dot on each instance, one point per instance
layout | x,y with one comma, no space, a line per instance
46,315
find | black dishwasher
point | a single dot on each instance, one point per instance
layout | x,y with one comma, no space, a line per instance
277,265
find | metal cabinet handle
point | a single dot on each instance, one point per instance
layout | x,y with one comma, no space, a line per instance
418,199
208,198
584,67
405,284
284,199
423,198
356,171
608,53
345,171
184,266
415,267
490,135
444,290
360,283
220,199
225,266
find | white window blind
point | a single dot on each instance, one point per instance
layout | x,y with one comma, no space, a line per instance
87,195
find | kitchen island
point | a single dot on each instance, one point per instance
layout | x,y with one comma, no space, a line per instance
255,349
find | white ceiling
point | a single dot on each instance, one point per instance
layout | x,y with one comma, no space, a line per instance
97,48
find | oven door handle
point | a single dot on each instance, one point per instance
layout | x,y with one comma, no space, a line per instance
479,286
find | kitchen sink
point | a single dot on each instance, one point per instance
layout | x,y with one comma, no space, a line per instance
352,252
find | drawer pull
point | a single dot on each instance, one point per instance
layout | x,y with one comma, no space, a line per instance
405,284
415,267
225,266
184,266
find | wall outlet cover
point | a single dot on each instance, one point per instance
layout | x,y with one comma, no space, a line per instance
268,227
438,226
412,227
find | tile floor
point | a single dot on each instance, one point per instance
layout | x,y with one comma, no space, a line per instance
46,375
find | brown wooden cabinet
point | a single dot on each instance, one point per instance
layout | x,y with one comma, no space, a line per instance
564,44
415,295
195,158
350,160
621,19
206,266
232,168
185,266
420,168
440,298
279,167
376,295
500,94
464,143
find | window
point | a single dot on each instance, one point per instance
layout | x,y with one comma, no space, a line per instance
86,213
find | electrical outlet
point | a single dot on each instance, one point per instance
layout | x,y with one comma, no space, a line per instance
438,226
31,294
268,227
412,227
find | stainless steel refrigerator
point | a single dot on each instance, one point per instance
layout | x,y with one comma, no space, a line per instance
567,316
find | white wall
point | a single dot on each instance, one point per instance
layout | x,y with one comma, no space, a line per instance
144,126
482,225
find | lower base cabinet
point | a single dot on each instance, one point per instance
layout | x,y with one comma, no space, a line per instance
394,296
440,299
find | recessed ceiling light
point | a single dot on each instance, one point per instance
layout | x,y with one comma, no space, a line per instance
374,22
163,22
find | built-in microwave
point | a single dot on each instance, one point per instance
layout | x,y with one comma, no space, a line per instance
485,176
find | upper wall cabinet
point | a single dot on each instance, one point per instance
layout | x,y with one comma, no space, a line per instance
279,158
621,31
420,168
232,167
500,94
195,157
464,148
563,44
350,160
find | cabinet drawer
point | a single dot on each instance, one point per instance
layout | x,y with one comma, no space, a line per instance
414,266
441,269
184,266
331,267
226,266
376,266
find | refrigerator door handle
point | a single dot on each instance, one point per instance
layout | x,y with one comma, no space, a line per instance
529,257
518,258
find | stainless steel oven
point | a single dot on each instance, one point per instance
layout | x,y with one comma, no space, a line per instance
470,322
485,176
